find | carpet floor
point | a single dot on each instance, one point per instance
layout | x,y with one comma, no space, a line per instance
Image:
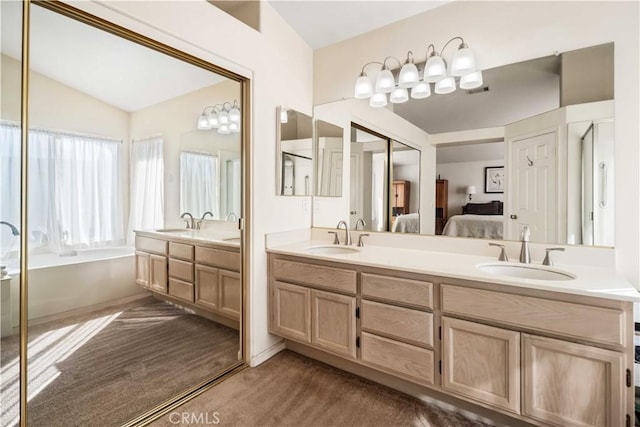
292,390
108,367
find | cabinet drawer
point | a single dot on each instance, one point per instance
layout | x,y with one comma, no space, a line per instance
181,251
147,244
404,360
596,324
315,275
181,270
397,322
181,290
393,289
218,258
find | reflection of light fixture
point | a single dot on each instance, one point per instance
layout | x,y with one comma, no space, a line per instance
471,189
284,116
224,117
463,67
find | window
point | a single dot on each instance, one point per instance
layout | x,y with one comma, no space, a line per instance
75,194
199,184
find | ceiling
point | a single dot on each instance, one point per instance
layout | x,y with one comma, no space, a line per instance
114,70
322,23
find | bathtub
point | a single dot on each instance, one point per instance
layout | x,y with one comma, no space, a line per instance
58,284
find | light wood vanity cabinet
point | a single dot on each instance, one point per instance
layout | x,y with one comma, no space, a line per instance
544,357
204,277
481,362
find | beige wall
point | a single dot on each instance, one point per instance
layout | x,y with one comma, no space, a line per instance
174,120
587,75
507,32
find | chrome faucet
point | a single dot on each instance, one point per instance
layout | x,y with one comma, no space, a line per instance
347,240
230,215
525,254
190,222
14,229
361,221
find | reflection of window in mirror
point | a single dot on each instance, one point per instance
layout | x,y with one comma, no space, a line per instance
199,184
234,192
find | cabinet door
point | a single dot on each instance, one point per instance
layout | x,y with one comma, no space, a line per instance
290,311
229,282
158,273
207,287
333,323
142,269
481,362
572,384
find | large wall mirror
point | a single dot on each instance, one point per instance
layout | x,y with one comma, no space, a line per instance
532,146
294,153
122,137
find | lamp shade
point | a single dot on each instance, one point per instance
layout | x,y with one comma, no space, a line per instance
463,62
223,129
363,88
223,117
409,76
203,122
471,80
399,95
378,100
385,81
213,120
234,127
471,189
446,85
423,90
435,69
234,115
284,116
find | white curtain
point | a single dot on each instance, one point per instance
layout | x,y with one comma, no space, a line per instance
199,184
74,188
9,186
147,186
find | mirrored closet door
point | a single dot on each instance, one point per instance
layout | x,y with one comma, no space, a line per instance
129,305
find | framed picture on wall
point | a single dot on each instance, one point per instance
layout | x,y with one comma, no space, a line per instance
494,179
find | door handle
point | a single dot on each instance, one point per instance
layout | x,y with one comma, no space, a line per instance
513,216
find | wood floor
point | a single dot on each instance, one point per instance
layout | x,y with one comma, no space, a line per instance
292,390
108,367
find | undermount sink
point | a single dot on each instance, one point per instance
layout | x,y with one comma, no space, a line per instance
525,271
332,250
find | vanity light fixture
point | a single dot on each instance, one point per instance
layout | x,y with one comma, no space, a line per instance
462,69
223,117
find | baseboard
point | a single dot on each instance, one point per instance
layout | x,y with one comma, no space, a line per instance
189,308
267,354
84,310
426,394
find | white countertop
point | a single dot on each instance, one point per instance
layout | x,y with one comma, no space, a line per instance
589,281
223,238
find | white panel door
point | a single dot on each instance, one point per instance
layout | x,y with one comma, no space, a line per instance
533,187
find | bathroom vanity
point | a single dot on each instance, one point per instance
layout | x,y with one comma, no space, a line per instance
195,269
542,351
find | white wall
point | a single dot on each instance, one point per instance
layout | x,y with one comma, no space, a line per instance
280,66
462,174
507,32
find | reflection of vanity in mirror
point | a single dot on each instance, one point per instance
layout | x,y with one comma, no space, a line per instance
532,146
294,145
